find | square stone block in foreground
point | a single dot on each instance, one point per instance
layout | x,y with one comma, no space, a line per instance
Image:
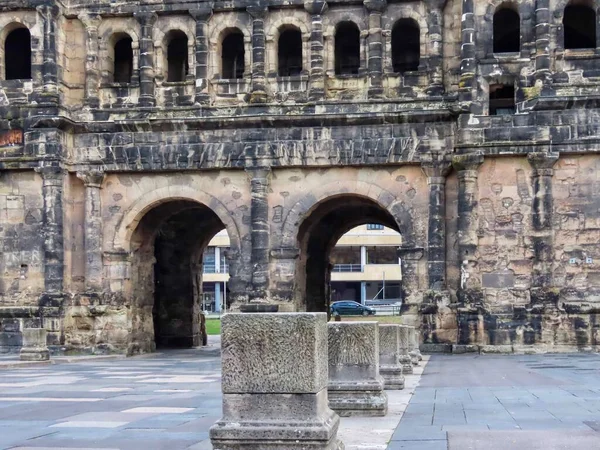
355,385
389,356
405,348
274,372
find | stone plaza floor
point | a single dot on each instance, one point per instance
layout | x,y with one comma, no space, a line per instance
170,400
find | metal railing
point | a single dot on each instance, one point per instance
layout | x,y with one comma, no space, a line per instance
210,268
348,268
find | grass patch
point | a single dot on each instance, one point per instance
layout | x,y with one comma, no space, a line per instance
213,326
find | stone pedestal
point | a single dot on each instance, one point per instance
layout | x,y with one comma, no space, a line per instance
355,385
414,352
34,345
389,356
274,381
405,359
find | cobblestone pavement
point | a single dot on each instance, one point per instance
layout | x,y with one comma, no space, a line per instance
157,402
473,402
170,401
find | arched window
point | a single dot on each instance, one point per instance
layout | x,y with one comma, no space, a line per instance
507,31
579,24
233,55
347,49
123,62
406,46
177,56
17,54
289,52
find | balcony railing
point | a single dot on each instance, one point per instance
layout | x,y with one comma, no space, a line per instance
348,268
210,268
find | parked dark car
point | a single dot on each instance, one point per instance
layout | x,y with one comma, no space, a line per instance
349,308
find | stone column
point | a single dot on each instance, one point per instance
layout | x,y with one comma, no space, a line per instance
375,47
34,345
92,80
409,263
259,231
467,53
389,356
414,352
258,92
355,385
146,65
466,167
274,382
405,360
435,21
436,172
542,40
93,229
316,9
49,67
52,192
202,15
542,164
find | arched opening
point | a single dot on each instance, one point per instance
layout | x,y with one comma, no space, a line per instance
317,238
507,30
289,52
168,248
177,56
502,99
233,55
123,60
579,24
17,54
347,49
406,46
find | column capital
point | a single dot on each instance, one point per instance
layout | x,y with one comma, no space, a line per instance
203,13
436,4
50,173
258,172
470,162
435,168
90,20
542,162
257,11
375,5
145,18
315,7
92,178
410,253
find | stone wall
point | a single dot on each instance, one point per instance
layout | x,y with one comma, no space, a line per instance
110,190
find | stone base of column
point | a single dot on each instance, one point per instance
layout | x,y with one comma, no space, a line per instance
414,358
276,421
407,365
358,399
392,377
34,345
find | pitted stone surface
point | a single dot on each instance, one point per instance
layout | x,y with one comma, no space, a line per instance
405,348
274,353
390,367
355,385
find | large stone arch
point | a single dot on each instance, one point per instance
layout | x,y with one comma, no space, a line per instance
384,198
149,200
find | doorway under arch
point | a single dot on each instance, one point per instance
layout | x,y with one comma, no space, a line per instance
321,229
167,249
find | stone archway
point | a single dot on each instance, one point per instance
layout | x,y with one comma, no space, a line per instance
322,227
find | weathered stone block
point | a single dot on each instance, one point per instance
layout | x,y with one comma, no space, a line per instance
405,347
414,352
355,385
389,356
34,345
275,383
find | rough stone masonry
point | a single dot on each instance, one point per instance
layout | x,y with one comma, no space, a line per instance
131,132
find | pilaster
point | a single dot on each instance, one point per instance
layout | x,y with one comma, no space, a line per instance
258,92
435,22
91,23
93,229
375,46
467,54
49,67
316,9
542,40
146,65
259,231
202,15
